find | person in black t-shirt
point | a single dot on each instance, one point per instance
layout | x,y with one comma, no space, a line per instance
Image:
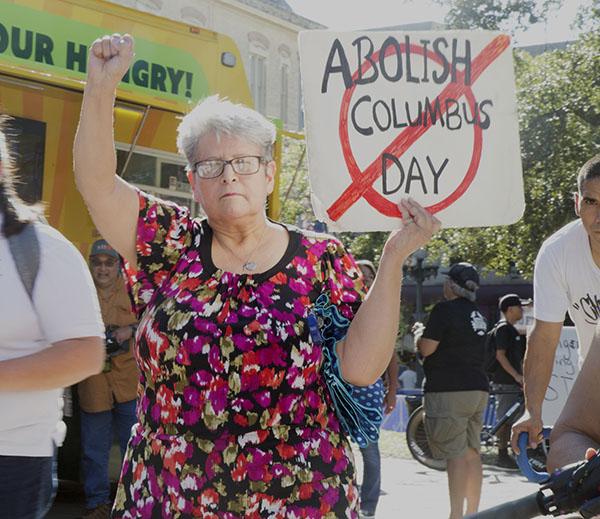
510,352
456,386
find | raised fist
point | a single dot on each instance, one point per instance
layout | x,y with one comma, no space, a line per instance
110,57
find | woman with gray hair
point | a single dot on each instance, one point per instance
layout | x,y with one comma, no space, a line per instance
456,385
234,417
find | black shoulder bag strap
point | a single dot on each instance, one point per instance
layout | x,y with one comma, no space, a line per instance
25,250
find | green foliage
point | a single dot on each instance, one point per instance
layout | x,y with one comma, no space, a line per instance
507,15
558,97
587,17
294,190
368,245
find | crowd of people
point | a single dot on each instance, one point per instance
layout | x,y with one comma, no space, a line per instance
209,372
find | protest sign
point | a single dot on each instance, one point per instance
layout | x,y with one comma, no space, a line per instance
564,373
430,115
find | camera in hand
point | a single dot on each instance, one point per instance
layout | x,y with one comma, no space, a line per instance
112,346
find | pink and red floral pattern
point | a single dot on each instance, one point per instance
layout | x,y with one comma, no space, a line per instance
234,417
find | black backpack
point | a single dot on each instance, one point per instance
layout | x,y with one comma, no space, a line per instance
490,363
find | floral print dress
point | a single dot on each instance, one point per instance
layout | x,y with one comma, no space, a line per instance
234,420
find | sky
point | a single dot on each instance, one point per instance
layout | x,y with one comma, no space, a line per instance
364,14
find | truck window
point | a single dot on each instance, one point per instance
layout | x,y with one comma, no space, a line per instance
141,169
160,174
173,176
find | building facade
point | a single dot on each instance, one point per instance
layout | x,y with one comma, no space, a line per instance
266,33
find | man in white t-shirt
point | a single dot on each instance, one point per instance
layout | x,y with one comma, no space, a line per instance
566,278
51,336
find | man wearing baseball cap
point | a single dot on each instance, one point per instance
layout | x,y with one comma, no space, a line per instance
465,276
456,385
108,400
508,375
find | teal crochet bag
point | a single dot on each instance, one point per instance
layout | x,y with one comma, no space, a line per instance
359,409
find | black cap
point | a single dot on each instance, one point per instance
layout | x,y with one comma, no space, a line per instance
463,272
102,247
508,300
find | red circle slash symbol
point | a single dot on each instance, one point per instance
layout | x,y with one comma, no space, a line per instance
362,181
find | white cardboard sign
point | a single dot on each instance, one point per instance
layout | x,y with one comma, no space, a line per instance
566,369
430,115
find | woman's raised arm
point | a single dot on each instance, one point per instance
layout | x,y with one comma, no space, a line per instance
112,202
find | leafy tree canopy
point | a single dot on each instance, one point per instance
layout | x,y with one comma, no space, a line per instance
507,15
558,97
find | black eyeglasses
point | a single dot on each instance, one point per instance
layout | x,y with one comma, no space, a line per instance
214,168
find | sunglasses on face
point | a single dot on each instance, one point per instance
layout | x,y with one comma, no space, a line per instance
103,263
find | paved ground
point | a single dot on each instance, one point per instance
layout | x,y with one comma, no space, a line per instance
409,490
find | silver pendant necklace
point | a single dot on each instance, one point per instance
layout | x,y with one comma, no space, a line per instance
248,265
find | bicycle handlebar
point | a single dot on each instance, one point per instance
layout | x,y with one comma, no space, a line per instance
575,487
524,508
525,464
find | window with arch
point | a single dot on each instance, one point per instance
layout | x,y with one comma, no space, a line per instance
259,47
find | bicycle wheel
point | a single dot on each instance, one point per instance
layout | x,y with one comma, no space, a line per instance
416,439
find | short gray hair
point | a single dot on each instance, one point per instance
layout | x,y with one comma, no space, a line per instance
222,117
